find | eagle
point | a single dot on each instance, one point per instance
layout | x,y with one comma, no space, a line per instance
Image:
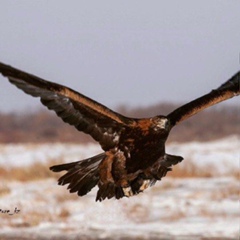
134,155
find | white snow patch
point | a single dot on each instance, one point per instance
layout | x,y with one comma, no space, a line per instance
172,209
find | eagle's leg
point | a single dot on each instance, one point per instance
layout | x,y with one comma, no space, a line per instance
106,182
120,175
113,179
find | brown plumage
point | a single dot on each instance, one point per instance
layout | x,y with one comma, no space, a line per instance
134,156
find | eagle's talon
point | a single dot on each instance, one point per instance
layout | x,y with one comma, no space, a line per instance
127,191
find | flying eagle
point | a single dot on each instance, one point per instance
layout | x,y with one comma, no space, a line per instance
134,156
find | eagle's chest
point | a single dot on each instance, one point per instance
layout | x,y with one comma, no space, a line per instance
142,149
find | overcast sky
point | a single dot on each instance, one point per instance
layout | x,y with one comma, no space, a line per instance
134,52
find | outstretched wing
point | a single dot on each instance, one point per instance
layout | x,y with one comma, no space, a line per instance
227,90
103,124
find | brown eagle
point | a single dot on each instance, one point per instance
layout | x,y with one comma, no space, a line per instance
134,156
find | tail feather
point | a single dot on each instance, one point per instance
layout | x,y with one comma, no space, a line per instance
66,166
107,190
81,176
84,183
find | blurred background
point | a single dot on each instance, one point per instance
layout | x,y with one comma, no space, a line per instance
138,58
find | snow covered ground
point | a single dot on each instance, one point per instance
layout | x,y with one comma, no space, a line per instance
175,208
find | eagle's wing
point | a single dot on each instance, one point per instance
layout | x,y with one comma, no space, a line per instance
227,90
103,124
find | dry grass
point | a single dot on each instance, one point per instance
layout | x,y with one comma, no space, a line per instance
138,213
235,173
33,172
192,170
48,128
229,192
207,213
38,171
4,189
64,213
174,216
165,185
66,196
214,215
34,218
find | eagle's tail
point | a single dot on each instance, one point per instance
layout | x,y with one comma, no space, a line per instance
81,176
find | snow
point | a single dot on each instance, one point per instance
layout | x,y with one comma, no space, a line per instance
175,208
221,154
32,153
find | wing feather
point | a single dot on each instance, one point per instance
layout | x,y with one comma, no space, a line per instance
74,108
227,90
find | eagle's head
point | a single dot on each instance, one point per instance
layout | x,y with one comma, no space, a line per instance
161,124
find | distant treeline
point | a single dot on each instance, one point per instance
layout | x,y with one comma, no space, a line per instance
45,126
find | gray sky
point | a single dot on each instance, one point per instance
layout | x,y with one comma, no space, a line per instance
121,52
